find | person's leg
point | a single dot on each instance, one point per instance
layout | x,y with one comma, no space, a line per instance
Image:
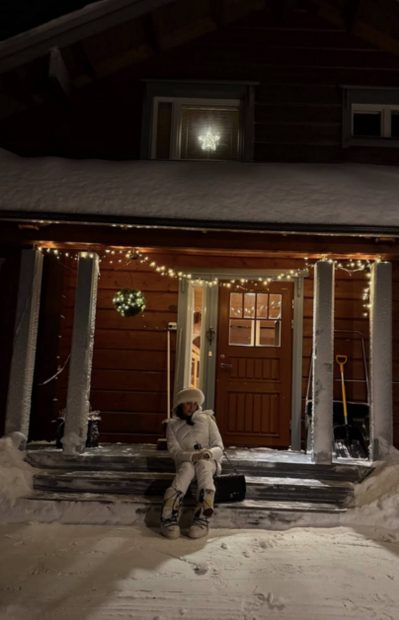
204,470
173,499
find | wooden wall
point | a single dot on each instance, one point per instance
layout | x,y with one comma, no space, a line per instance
129,366
300,63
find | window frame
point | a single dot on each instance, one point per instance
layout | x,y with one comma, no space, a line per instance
372,100
203,93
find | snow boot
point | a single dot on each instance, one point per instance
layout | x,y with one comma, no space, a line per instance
204,510
170,514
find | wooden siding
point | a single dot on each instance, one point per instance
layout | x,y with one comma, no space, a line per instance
300,63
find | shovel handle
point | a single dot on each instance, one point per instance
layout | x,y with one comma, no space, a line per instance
341,361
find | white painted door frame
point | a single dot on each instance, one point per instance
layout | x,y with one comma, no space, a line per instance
209,336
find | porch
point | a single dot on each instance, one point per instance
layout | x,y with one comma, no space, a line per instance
128,481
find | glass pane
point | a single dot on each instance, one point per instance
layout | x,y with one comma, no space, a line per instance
196,336
249,305
241,332
209,132
268,333
236,305
164,125
395,124
367,124
274,306
261,305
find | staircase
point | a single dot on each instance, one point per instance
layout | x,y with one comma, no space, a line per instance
125,484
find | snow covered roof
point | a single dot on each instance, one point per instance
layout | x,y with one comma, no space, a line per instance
262,196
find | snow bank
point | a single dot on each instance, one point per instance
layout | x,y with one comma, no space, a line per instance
376,499
16,476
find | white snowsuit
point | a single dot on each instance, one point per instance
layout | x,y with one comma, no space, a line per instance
182,439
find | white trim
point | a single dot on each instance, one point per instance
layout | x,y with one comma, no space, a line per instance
381,406
19,396
322,362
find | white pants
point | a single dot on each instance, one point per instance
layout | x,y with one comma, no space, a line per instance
202,470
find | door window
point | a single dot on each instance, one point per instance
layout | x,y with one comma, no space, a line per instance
255,319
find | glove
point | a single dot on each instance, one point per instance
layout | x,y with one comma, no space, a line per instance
201,454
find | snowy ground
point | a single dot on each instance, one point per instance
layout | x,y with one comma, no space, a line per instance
54,572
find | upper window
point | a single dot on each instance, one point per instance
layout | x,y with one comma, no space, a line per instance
197,121
195,129
371,117
375,121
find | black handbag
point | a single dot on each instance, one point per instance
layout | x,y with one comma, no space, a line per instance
230,487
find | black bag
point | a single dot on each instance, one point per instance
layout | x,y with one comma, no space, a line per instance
230,488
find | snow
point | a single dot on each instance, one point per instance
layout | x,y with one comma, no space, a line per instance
228,192
59,572
376,501
56,571
15,474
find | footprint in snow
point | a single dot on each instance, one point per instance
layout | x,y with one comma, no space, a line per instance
200,569
274,602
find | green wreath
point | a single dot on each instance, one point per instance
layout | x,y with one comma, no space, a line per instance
129,301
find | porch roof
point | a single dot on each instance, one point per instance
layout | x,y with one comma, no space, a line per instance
260,196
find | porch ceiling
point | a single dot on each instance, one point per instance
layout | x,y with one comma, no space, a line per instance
334,198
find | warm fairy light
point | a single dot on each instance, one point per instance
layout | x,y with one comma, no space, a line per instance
118,256
209,141
352,266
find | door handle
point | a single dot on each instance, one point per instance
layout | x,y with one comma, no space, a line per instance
224,365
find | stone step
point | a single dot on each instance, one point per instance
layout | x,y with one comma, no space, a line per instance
93,508
132,459
155,483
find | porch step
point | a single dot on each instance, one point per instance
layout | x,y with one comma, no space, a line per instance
149,459
94,508
154,484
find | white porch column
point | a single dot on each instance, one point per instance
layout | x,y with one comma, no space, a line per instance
78,404
381,422
24,349
323,362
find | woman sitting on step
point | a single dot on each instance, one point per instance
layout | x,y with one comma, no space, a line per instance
195,444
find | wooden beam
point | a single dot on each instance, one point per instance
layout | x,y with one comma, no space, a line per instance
58,71
91,19
251,244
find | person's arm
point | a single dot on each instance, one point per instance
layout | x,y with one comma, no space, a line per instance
216,446
175,448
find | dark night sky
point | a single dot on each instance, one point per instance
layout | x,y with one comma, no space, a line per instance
19,15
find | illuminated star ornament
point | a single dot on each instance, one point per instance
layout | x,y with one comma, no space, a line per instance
209,141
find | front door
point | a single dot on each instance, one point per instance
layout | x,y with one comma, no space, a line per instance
254,365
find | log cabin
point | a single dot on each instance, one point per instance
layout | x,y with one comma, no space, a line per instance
235,162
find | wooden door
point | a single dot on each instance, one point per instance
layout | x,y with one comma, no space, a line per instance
254,365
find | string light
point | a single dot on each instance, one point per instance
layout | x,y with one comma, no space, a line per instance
350,267
118,256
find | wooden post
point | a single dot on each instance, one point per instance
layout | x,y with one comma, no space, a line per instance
24,349
78,404
381,420
323,362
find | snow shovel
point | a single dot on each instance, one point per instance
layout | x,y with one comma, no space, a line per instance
349,441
